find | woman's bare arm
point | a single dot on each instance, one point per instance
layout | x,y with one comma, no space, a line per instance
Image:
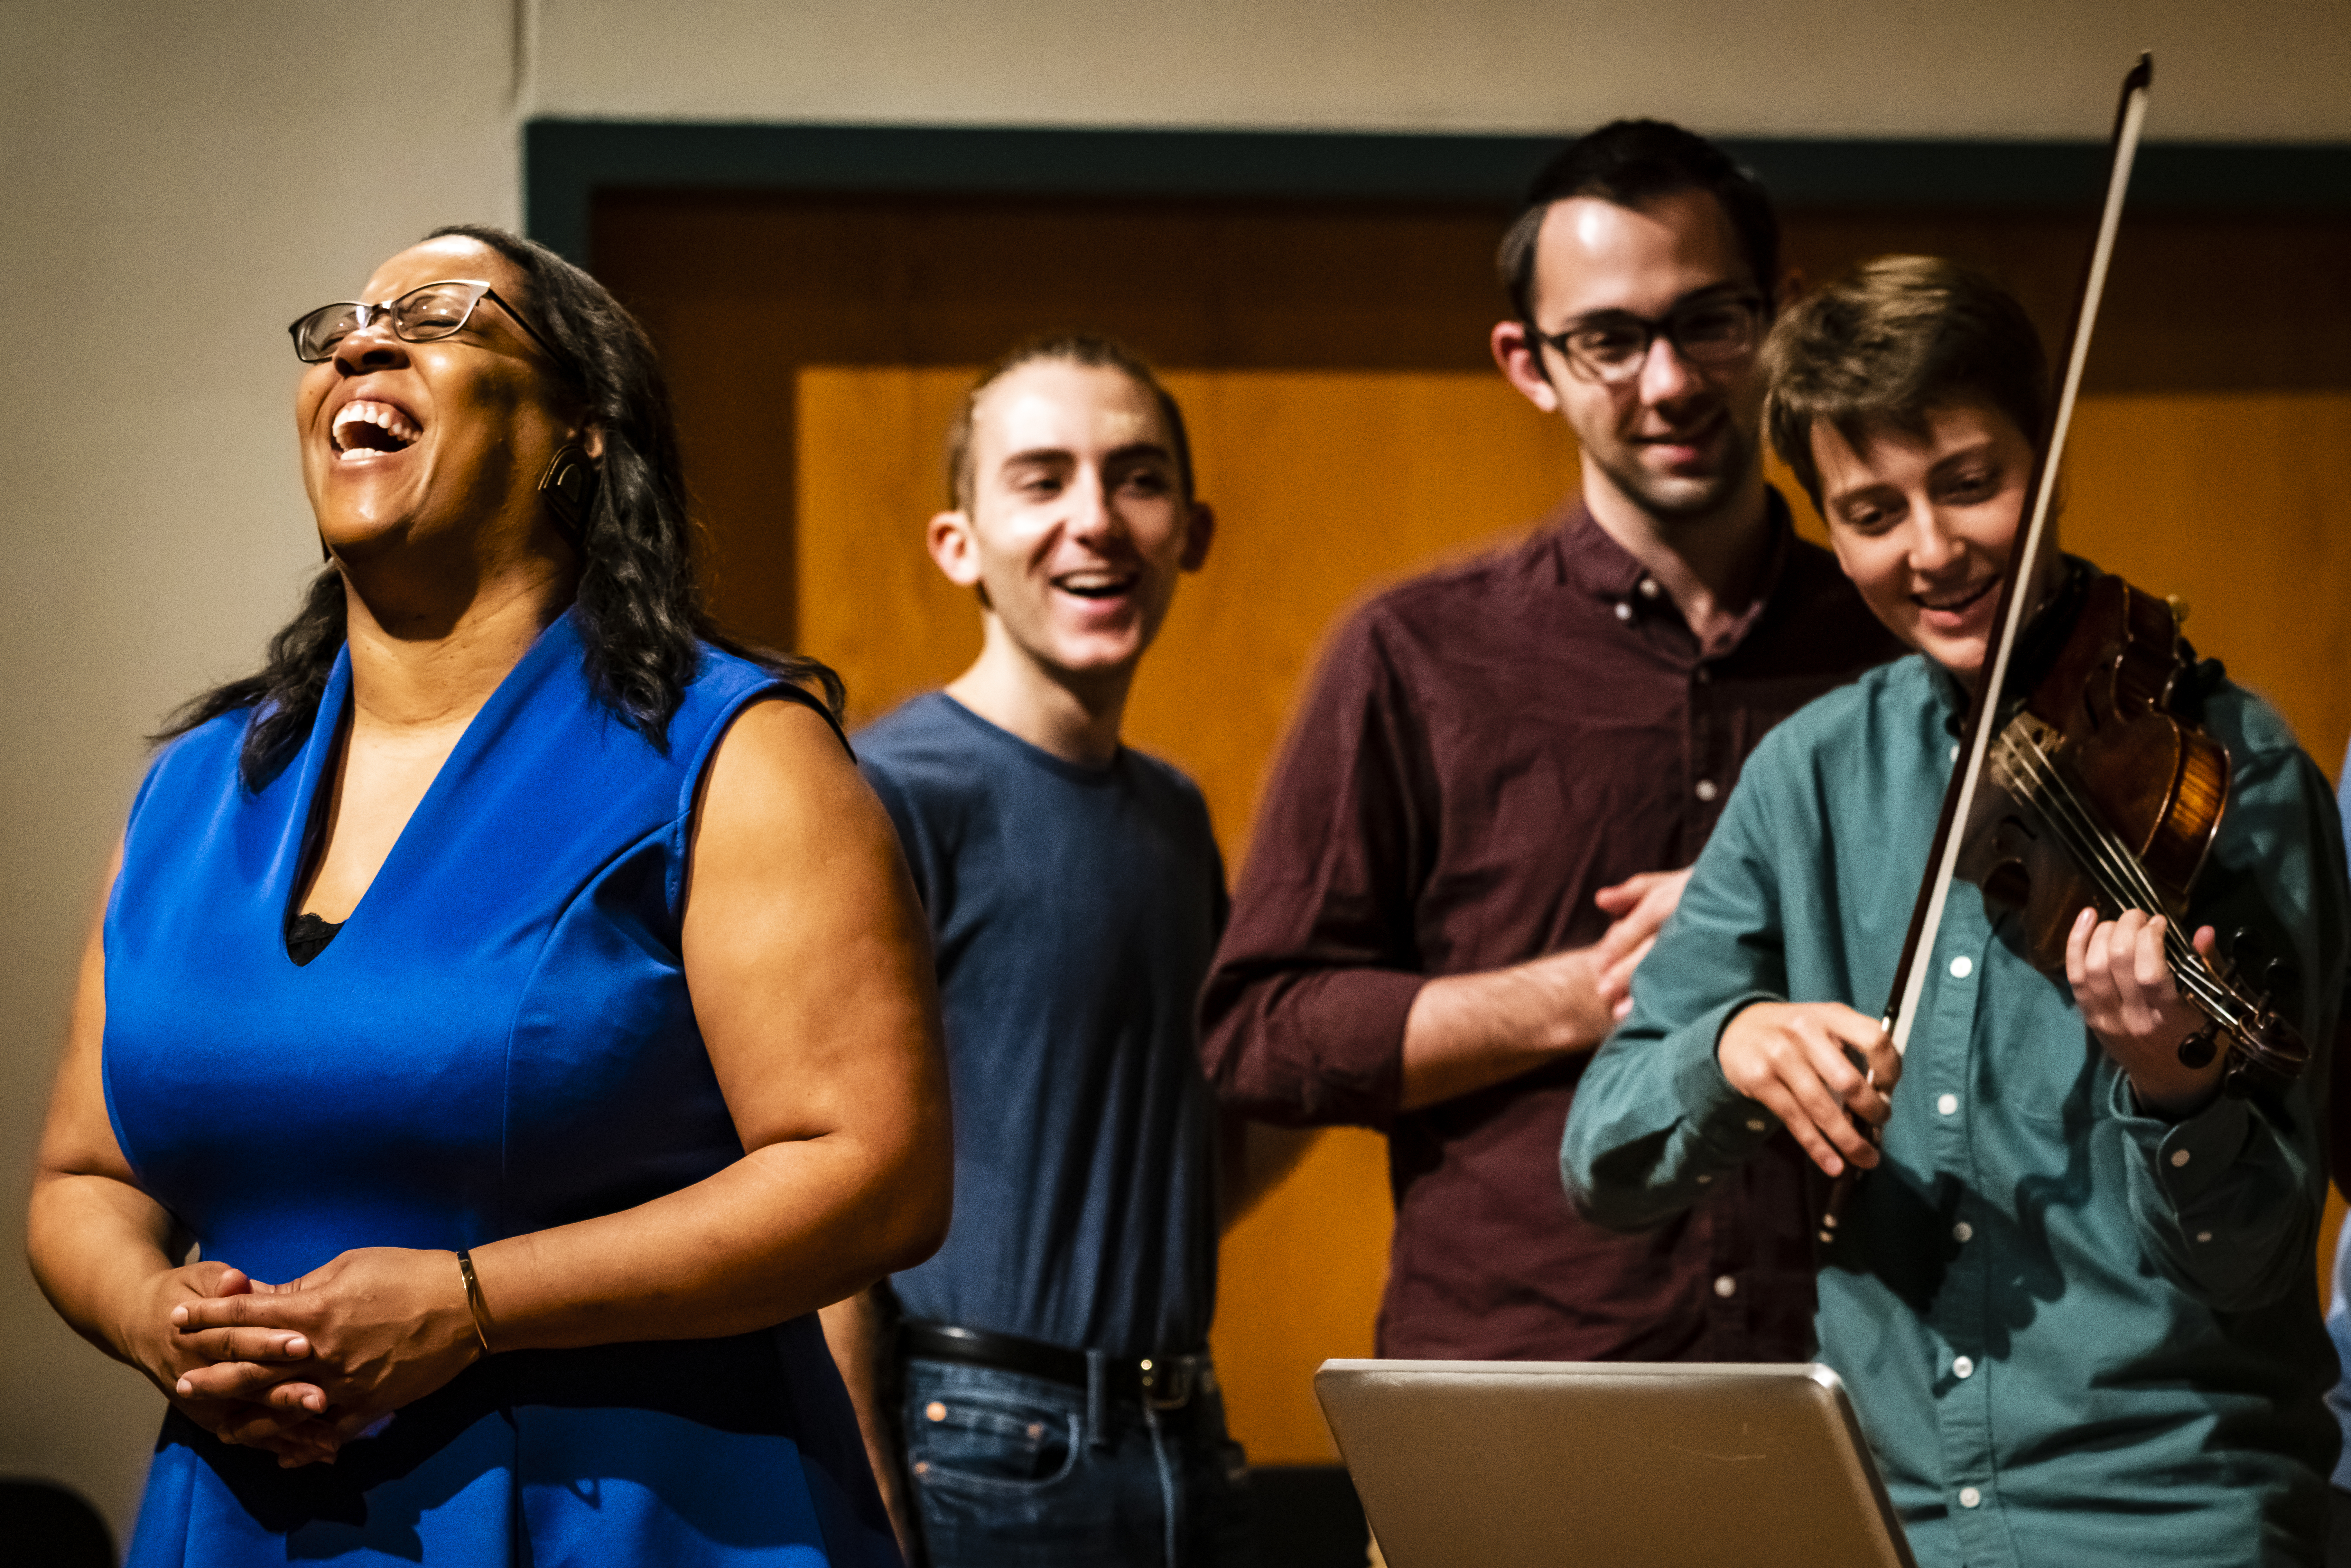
810,969
811,976
107,1255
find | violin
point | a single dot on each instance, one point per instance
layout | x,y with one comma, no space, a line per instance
2101,792
2091,789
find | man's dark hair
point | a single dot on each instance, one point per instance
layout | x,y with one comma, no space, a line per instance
1094,351
1632,162
639,609
1888,343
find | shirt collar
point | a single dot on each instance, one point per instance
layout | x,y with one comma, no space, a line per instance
1590,559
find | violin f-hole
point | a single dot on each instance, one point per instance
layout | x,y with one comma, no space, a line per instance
2008,884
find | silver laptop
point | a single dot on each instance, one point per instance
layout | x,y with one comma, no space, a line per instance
1498,1464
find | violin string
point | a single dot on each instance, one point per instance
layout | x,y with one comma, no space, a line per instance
2095,856
2116,871
2110,862
2108,859
2024,768
2117,855
2187,964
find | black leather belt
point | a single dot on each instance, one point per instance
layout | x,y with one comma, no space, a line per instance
1164,1382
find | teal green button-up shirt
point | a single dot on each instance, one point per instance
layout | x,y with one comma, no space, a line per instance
2075,1333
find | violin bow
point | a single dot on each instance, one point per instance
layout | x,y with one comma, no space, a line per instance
1901,1014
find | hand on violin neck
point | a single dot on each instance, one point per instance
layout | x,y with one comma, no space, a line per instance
2123,983
1816,1066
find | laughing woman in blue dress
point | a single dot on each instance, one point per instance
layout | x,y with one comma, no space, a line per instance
512,993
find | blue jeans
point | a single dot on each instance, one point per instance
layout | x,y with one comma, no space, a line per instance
1012,1471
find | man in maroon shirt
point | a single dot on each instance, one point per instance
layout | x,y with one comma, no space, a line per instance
1491,797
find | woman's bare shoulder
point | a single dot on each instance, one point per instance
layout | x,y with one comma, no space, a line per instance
780,780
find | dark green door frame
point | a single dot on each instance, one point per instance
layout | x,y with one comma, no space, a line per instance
566,161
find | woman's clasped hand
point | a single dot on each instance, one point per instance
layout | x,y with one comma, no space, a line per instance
299,1368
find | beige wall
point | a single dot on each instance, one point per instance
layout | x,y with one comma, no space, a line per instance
178,181
1867,68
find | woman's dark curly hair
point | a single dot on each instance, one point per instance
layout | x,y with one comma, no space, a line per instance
639,609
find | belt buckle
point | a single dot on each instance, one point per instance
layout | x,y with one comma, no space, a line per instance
1174,1376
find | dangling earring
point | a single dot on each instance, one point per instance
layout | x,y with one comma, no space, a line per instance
565,489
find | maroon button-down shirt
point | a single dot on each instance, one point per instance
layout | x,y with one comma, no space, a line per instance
1484,749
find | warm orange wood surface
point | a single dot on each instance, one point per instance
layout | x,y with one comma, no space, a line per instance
1329,484
741,288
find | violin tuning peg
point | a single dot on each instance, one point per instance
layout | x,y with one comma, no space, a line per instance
2196,1050
2178,608
2244,947
2280,978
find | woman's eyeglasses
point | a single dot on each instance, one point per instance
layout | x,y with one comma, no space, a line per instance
419,316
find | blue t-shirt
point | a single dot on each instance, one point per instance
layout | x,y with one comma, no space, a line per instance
1074,911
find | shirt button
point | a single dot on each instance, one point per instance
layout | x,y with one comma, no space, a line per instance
1756,1123
2203,1236
2178,1159
1624,610
1949,1104
1963,966
1963,1231
1970,1497
1702,1181
1962,1366
1648,588
1726,1287
1706,790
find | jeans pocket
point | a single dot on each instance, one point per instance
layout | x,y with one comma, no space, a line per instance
991,1442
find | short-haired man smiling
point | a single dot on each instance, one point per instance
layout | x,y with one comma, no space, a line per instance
1482,812
1058,1405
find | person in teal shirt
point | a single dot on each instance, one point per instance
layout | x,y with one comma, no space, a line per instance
2074,1298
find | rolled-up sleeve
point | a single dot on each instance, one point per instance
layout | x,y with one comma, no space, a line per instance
1304,1015
1654,1122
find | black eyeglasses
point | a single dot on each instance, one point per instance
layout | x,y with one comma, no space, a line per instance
1611,345
422,315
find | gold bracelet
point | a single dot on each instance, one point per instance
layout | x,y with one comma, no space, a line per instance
473,1299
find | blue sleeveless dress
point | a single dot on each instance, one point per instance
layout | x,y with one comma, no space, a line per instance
499,1040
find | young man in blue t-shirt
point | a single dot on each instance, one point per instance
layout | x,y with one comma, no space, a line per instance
1052,1399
